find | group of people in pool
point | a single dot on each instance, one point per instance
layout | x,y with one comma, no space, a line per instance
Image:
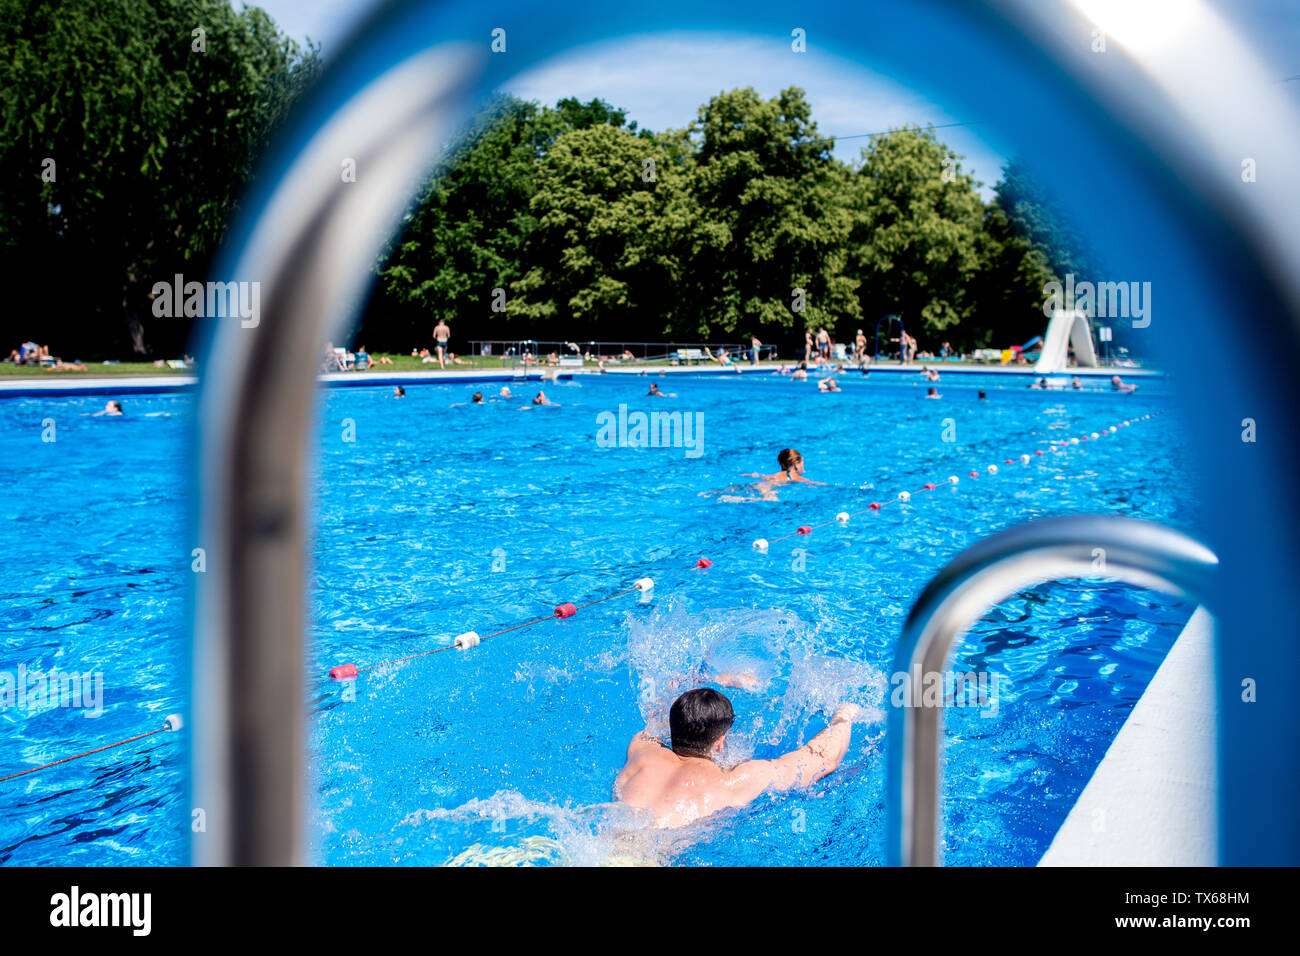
477,398
1117,384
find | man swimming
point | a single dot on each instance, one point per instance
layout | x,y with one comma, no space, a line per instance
682,783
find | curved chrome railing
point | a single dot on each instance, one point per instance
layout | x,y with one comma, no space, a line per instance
1084,546
255,413
312,239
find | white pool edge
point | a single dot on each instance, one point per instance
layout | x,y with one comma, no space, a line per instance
1152,800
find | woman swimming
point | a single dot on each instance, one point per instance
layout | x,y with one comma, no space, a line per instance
791,472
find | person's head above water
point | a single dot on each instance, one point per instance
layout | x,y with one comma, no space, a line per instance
478,398
699,721
789,459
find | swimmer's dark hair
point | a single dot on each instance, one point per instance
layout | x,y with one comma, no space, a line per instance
698,720
478,398
788,458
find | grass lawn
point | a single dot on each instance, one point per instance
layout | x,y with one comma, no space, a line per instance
93,370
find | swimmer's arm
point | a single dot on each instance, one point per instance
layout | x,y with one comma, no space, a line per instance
800,768
645,740
741,680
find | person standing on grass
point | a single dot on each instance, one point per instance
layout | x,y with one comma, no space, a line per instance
754,343
441,339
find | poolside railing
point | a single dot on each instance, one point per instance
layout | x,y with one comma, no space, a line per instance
992,570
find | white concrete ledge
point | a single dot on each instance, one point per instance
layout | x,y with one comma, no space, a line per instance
1153,798
57,384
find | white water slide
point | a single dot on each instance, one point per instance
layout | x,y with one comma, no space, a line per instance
1065,330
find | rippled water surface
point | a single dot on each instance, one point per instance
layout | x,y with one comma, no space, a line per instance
434,518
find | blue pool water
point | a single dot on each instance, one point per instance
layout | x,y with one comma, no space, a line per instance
432,519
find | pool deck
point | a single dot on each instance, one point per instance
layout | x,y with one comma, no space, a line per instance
1152,799
55,384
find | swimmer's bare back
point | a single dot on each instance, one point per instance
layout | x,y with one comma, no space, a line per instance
785,478
678,790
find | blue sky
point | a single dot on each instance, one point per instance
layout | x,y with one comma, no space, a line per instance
665,88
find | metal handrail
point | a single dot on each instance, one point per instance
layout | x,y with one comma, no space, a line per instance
312,240
255,415
1124,549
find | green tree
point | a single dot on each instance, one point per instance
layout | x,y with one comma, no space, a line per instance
768,253
611,209
124,151
915,245
1035,218
470,230
1007,291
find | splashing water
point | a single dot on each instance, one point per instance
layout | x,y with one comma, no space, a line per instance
605,834
675,650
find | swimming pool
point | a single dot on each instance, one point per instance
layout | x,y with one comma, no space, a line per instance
432,520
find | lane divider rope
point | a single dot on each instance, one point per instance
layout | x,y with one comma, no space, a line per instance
173,722
471,639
